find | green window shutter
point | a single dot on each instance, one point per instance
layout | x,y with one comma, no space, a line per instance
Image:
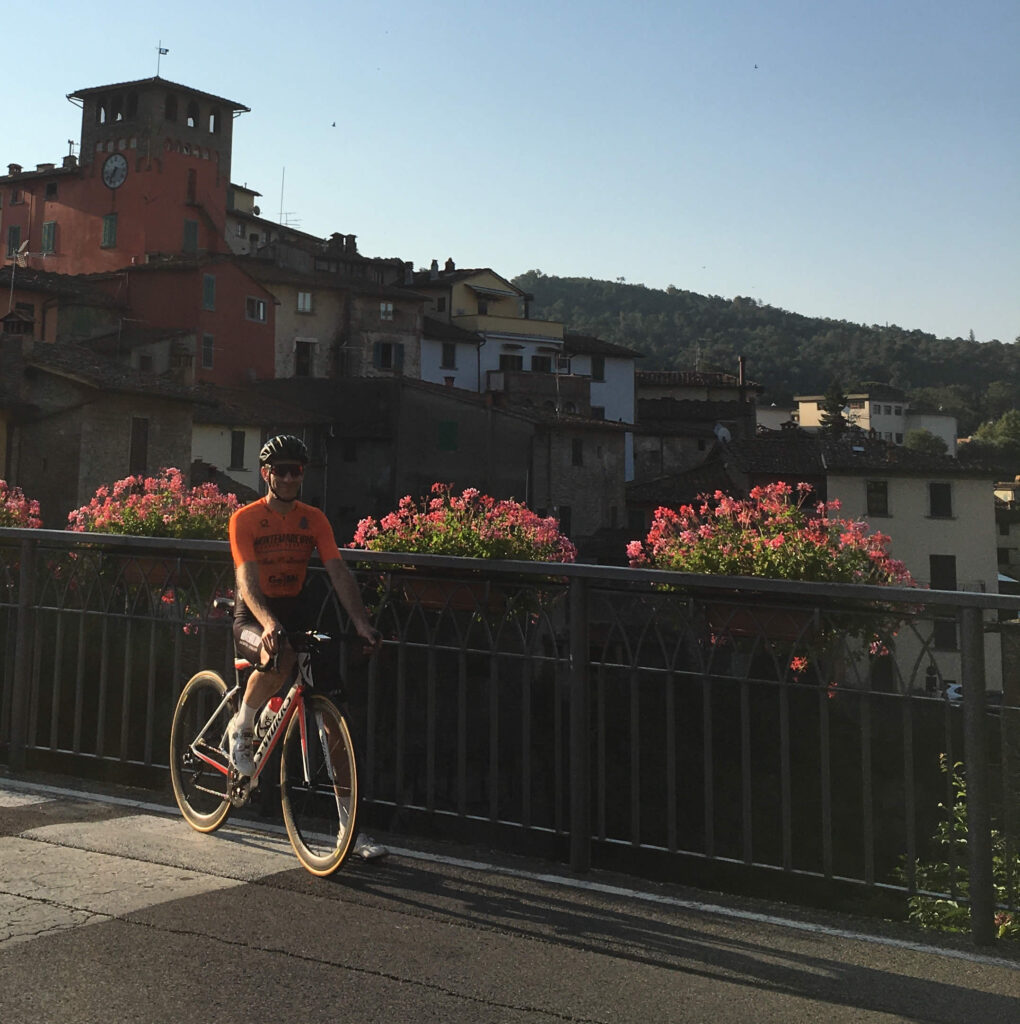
448,435
109,231
208,291
377,355
49,235
190,236
398,358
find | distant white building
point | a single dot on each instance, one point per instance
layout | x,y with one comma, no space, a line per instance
883,410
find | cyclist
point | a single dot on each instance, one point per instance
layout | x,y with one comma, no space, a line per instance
272,540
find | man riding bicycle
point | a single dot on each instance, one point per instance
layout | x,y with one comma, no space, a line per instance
272,540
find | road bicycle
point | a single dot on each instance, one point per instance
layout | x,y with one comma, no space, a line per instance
318,772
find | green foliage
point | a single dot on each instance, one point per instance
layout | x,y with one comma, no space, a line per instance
1004,430
925,441
949,872
789,354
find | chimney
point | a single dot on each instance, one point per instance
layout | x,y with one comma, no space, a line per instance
449,267
408,273
351,243
14,168
70,160
45,167
741,362
434,271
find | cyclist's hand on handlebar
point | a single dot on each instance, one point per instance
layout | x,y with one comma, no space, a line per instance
273,642
372,638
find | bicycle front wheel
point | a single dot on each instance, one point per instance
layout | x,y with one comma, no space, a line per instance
319,786
202,792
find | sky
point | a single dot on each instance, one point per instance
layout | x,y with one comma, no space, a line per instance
853,159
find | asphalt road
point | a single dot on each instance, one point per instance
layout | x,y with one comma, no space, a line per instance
117,911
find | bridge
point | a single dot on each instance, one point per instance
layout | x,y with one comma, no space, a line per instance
749,736
112,909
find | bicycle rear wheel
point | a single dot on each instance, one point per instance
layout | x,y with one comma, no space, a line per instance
202,792
320,812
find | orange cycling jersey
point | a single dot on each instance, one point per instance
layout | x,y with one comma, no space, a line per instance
280,545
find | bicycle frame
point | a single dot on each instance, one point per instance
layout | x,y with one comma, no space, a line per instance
293,703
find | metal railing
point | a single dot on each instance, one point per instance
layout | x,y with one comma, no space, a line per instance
740,732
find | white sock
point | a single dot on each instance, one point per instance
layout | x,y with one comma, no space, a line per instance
246,716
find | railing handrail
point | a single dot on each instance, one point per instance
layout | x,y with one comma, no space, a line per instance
695,582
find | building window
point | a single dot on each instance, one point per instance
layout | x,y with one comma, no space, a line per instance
304,302
577,451
190,243
13,239
255,309
385,310
138,452
878,497
509,361
483,307
49,236
304,358
541,364
109,231
388,356
214,121
236,449
898,410
940,500
448,435
51,190
192,116
876,410
565,518
449,358
899,439
207,351
208,292
942,576
441,304
598,367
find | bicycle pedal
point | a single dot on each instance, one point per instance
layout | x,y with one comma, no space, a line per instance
240,791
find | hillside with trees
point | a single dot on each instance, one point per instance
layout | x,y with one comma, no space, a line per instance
786,353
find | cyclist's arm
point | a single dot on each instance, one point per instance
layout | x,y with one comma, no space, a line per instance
250,592
346,587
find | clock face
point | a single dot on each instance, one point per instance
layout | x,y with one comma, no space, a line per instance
115,170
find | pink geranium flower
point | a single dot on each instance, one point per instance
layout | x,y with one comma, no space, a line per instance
469,524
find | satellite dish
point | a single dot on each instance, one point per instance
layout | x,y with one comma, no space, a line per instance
722,433
256,210
23,247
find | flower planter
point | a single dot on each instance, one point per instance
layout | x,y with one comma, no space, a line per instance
148,571
455,595
787,624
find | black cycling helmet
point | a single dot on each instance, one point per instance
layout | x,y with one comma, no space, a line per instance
283,448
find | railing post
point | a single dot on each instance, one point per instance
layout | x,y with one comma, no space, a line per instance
979,825
580,748
23,640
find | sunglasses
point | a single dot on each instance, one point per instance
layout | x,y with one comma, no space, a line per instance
294,470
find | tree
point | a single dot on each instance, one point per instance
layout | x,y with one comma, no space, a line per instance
1004,430
925,442
833,403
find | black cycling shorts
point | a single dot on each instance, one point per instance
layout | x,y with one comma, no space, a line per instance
292,612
